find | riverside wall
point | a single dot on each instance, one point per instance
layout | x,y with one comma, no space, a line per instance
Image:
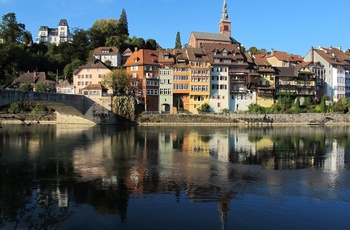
202,119
243,119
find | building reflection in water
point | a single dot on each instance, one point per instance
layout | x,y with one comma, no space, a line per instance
208,164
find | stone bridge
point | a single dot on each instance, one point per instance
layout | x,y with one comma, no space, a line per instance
70,108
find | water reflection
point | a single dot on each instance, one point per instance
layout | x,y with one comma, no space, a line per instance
58,170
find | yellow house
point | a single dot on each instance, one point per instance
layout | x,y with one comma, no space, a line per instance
266,87
283,59
199,79
91,73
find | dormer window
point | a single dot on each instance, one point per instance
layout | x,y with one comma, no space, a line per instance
224,53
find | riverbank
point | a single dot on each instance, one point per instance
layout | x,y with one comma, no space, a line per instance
244,119
207,119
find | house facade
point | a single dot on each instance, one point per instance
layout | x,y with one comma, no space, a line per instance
91,73
109,55
297,81
283,59
336,65
199,78
65,87
57,35
143,66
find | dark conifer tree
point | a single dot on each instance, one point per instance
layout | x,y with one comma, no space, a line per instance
178,41
122,27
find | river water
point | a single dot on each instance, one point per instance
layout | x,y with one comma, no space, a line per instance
106,177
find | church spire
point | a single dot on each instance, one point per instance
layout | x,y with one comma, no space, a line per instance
224,15
225,23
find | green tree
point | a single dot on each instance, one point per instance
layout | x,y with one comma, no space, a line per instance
323,105
151,44
10,29
69,68
255,108
254,50
110,28
25,86
42,87
341,105
118,80
122,26
81,44
138,42
205,108
96,33
27,38
178,41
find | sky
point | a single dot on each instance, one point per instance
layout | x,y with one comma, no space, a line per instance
290,26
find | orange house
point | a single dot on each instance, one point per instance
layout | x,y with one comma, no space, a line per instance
143,66
181,82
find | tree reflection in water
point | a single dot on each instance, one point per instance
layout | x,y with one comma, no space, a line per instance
43,169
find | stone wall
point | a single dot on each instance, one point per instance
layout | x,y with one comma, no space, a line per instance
242,119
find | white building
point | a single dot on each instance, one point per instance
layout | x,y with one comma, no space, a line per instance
337,66
109,54
57,35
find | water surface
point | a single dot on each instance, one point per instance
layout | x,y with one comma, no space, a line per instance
105,177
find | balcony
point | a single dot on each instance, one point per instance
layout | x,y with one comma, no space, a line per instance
267,93
254,78
238,91
238,72
238,79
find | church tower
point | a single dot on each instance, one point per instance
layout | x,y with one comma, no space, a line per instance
225,23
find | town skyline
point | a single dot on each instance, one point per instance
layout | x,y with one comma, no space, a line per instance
270,29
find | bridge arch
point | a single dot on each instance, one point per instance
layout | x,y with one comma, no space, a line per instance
65,104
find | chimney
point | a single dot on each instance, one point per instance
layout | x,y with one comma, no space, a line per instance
272,52
339,48
136,49
312,54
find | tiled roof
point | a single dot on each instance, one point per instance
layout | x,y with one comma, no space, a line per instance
284,56
197,54
143,57
64,84
334,56
33,77
284,71
291,71
106,50
94,87
233,53
94,64
63,22
211,36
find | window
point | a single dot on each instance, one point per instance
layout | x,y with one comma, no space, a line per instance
214,86
181,86
152,92
134,68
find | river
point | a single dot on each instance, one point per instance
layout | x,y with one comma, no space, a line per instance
107,177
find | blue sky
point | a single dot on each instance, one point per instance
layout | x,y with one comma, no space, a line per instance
291,26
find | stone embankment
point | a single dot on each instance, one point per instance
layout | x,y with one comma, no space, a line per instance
244,119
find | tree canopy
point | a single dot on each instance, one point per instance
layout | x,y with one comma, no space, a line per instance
178,41
118,80
10,30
